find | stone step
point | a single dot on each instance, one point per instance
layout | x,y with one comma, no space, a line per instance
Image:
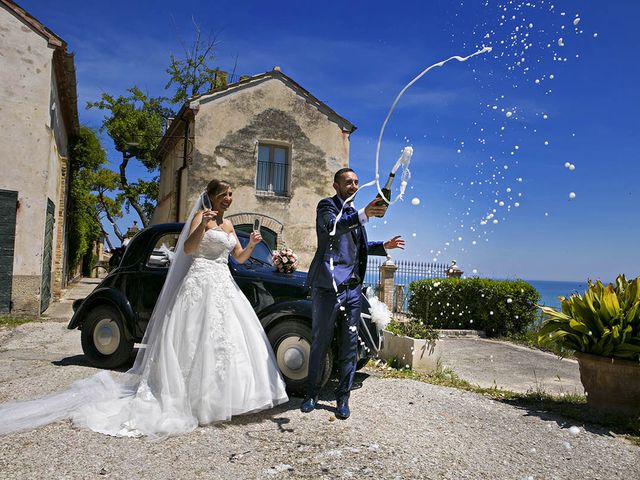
457,333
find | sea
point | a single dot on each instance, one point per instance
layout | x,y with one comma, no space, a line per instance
550,290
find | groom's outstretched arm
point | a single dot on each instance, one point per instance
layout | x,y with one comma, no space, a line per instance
327,213
376,248
380,248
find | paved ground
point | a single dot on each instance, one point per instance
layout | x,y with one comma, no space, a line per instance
399,429
61,310
512,367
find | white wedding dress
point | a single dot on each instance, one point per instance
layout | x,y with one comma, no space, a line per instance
210,360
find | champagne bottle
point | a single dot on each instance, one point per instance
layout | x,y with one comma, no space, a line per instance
386,190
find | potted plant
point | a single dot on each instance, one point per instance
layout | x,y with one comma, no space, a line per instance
603,327
411,344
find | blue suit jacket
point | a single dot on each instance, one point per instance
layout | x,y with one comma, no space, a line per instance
338,246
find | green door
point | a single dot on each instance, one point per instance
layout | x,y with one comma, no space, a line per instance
45,289
8,205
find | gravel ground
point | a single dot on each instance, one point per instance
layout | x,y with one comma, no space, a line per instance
398,429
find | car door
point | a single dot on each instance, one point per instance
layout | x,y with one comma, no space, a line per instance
148,283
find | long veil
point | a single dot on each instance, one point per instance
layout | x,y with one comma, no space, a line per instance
179,266
104,389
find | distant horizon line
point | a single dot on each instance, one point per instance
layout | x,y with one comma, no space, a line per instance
543,280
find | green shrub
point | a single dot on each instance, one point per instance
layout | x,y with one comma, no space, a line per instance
87,155
84,227
89,262
499,307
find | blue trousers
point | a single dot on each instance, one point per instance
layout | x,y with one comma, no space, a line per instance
326,307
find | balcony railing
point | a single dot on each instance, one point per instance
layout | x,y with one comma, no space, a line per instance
273,178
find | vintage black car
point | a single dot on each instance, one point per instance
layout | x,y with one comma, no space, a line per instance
113,318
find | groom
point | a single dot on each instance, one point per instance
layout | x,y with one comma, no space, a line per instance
335,276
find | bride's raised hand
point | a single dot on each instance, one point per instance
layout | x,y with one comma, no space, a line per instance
255,238
208,215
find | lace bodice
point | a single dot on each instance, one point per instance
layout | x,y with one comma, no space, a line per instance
216,244
209,267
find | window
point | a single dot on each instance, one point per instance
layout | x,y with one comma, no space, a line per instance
273,170
163,251
261,251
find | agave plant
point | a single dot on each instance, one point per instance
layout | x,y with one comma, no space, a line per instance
604,321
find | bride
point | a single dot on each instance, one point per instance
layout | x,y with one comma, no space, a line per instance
205,356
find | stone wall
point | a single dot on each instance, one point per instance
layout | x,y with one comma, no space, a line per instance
60,253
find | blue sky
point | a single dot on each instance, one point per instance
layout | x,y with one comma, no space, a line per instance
356,56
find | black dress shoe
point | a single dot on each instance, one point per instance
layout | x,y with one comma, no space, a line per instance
342,410
309,404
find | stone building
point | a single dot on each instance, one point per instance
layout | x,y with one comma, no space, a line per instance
278,146
38,115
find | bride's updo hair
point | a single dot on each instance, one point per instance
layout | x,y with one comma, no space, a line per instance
216,187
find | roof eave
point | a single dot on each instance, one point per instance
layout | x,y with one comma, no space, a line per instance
65,71
53,39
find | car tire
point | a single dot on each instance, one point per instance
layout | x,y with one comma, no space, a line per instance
291,343
103,338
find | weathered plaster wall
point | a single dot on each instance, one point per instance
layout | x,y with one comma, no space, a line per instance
228,130
29,156
166,209
173,180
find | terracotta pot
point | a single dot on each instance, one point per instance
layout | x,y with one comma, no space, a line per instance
612,384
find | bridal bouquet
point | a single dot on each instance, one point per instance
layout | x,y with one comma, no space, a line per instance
285,260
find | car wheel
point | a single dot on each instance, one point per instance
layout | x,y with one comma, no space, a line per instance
291,343
104,342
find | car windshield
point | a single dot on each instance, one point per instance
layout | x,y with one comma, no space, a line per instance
261,253
163,251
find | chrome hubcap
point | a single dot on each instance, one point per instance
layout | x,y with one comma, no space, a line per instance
106,336
293,357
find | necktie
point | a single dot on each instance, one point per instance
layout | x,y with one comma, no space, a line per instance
348,209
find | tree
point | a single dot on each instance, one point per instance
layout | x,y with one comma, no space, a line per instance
86,155
101,182
135,126
193,74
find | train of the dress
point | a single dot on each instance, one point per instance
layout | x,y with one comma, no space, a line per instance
213,361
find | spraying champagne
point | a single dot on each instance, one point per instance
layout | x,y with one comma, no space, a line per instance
385,192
